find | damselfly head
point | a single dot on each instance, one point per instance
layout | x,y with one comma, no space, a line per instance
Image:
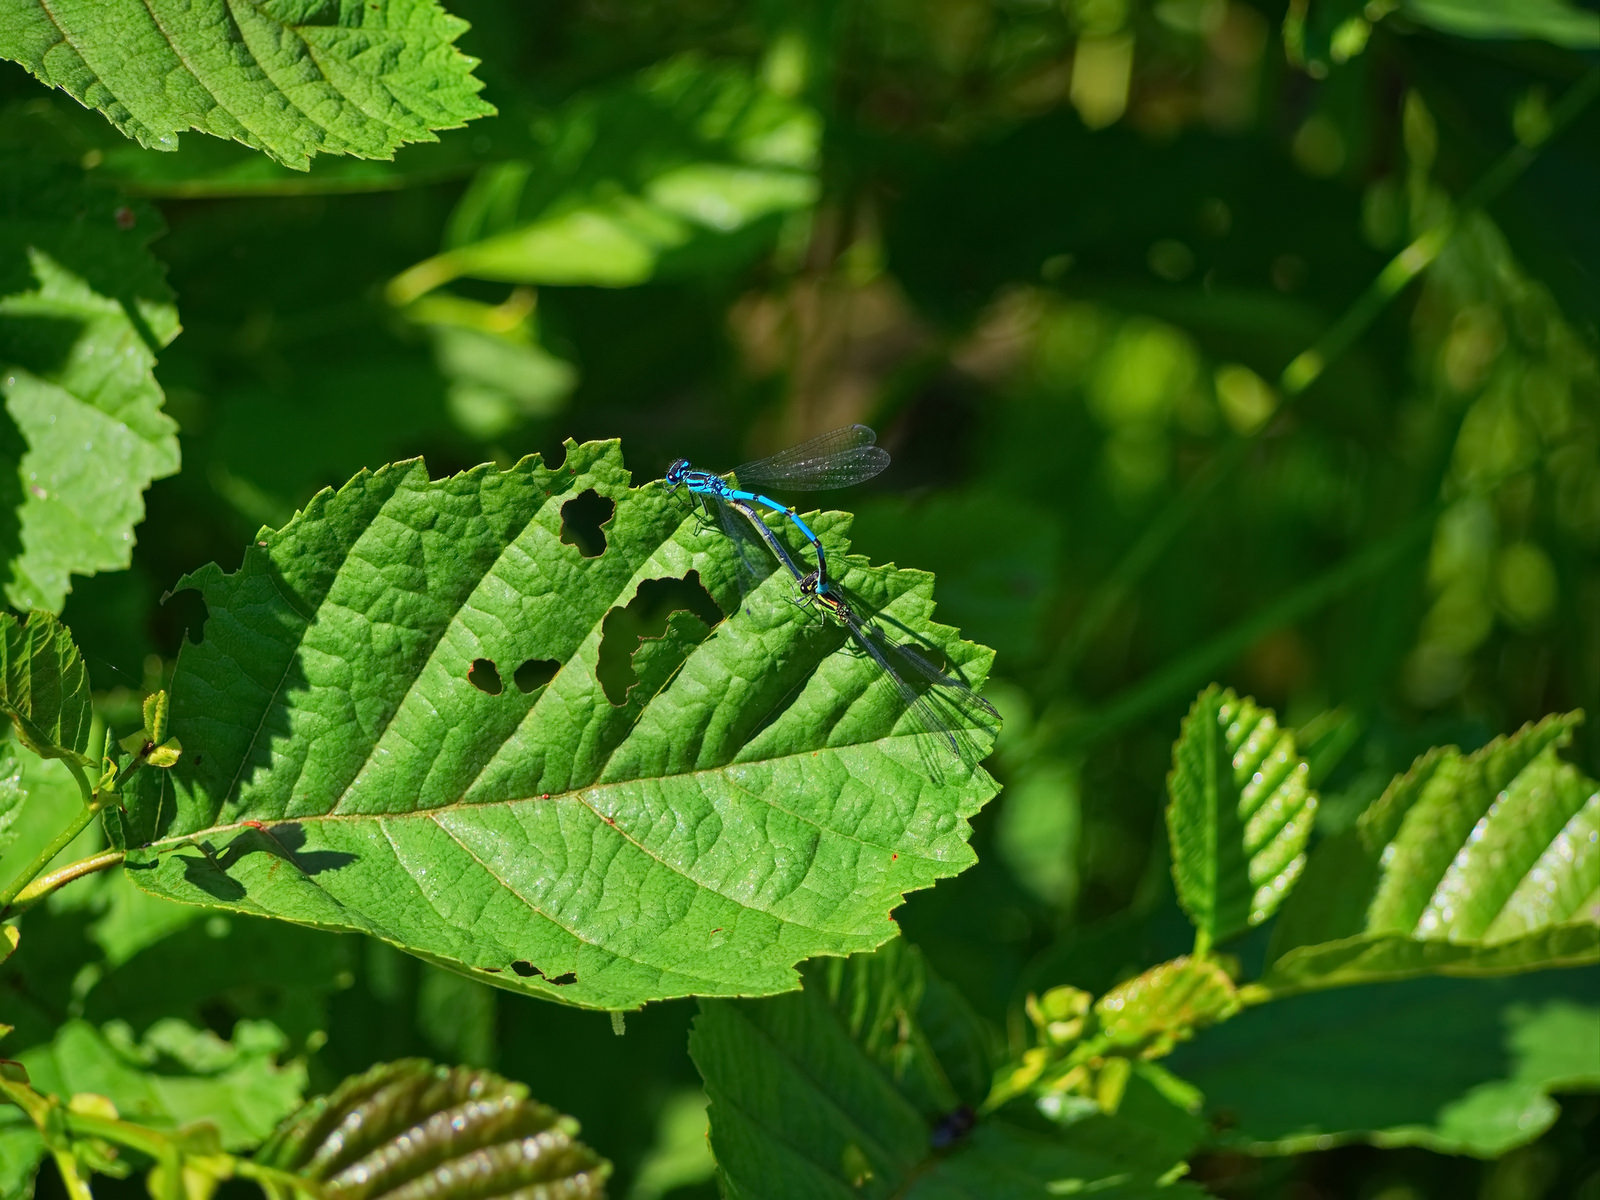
677,471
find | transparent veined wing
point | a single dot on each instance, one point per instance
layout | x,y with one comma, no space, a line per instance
836,459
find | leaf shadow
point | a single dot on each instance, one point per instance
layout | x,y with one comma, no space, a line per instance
208,870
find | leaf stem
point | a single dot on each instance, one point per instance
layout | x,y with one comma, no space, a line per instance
80,822
1179,676
43,885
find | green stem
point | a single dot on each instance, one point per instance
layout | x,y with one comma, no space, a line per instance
43,885
1304,370
80,822
1181,676
159,1146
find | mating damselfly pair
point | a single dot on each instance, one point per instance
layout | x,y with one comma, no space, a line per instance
835,459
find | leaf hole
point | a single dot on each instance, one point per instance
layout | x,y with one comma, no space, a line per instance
645,618
485,676
582,519
564,979
534,674
526,969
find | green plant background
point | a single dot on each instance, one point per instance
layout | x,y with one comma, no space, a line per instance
1059,256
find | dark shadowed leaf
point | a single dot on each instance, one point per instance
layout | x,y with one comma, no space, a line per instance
410,1128
866,1084
1457,1065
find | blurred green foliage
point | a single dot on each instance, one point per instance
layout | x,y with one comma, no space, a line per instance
1060,256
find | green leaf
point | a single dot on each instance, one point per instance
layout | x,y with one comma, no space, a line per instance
758,797
674,170
288,77
175,1075
1555,21
1479,863
44,688
83,309
12,794
1458,1066
1165,1005
1239,816
850,1088
414,1129
21,1148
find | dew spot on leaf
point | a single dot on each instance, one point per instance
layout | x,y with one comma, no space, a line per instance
582,522
485,676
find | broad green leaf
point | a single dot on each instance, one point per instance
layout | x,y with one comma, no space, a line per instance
676,169
21,1148
1557,21
1479,863
856,1086
44,689
174,1075
83,309
1458,1066
409,1128
1239,815
288,77
758,797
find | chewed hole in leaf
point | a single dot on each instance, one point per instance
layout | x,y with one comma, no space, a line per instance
534,674
526,969
485,676
646,618
582,522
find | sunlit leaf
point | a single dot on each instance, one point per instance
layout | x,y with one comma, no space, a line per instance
289,78
44,689
174,1075
644,178
865,1084
83,309
371,690
409,1128
1165,1005
1457,1065
1479,863
1558,21
1239,816
21,1148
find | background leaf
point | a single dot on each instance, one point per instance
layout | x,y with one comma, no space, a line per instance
1458,1066
753,799
1240,814
83,310
279,76
845,1089
682,168
1468,864
175,1075
44,688
408,1127
1555,21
